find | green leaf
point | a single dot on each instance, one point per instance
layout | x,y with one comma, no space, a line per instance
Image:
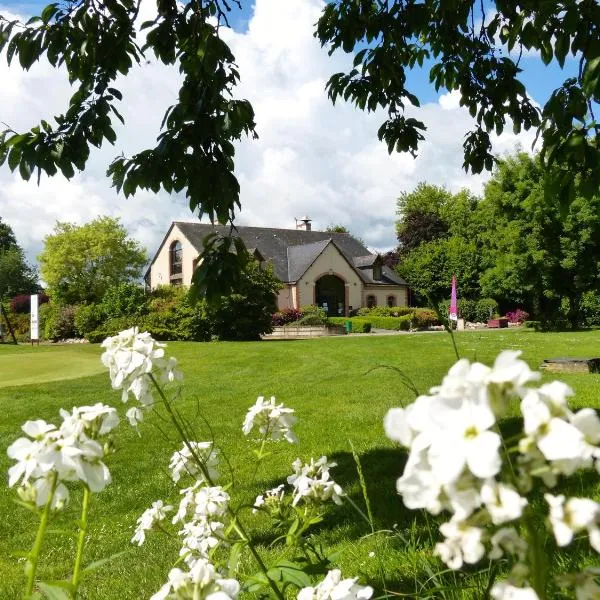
56,590
95,565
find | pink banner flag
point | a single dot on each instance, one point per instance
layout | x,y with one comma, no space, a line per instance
453,305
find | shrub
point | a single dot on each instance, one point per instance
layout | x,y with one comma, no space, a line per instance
391,323
537,325
21,303
60,322
88,317
20,324
385,311
359,325
517,316
124,299
486,308
590,308
287,315
312,315
424,317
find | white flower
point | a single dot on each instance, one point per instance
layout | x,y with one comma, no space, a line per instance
502,501
333,587
201,582
149,519
270,499
92,421
557,439
134,415
507,540
131,357
462,440
199,538
312,482
462,544
572,517
509,371
197,459
505,591
272,420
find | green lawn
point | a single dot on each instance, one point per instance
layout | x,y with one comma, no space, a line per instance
338,397
20,365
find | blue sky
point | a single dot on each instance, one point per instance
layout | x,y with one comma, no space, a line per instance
311,157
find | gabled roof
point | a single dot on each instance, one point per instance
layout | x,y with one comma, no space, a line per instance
290,251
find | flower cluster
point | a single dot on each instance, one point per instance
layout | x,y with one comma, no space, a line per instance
131,358
333,587
458,461
273,421
197,459
312,482
271,500
201,582
51,456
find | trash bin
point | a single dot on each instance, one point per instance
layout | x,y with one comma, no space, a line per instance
348,326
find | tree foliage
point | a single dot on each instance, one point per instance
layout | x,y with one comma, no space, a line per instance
337,229
475,49
246,313
80,263
539,252
16,275
462,45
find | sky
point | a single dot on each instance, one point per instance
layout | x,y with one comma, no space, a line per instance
311,158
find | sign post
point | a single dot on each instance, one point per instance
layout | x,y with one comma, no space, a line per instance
34,325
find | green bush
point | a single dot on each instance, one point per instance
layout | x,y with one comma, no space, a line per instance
391,323
359,325
424,317
487,308
60,322
385,311
88,317
312,315
20,324
590,308
124,299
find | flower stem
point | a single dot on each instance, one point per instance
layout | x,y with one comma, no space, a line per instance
536,557
238,526
34,555
87,495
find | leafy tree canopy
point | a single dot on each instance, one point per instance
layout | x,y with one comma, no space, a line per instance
337,229
539,251
16,275
80,263
462,45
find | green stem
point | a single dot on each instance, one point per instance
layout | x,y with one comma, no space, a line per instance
536,557
259,458
34,555
87,495
238,526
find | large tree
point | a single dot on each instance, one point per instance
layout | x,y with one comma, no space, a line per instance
80,262
462,43
536,251
16,275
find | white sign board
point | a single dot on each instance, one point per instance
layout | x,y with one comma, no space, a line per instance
35,334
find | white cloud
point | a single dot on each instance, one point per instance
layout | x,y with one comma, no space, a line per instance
312,158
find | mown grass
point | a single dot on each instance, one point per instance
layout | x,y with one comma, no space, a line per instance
340,395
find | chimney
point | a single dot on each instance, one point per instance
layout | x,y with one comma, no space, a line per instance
303,223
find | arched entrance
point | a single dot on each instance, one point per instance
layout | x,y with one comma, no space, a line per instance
330,294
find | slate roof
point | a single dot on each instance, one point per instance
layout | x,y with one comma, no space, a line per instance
292,251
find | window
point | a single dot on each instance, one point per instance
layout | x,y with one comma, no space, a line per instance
371,301
175,260
391,301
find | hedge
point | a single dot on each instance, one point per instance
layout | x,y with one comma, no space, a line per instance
359,325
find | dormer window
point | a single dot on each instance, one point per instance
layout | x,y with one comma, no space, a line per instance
377,271
176,262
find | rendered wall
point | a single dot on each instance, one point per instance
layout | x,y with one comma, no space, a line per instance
382,295
285,298
330,262
159,272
